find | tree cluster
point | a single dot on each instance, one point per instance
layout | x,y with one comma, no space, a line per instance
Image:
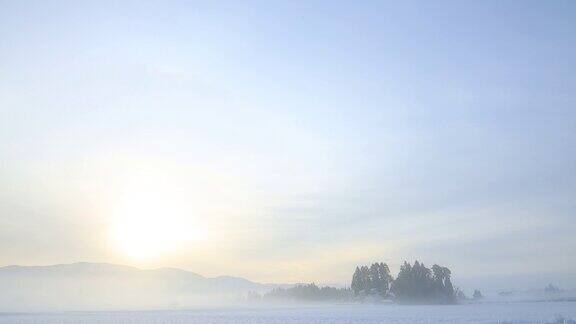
552,289
373,280
419,284
414,283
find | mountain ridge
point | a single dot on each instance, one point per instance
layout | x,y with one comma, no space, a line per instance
84,285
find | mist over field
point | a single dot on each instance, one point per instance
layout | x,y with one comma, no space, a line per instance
287,161
88,286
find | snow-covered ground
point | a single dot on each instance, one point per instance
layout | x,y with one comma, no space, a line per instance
535,312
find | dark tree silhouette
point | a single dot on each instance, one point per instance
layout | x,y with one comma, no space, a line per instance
418,284
309,292
356,285
373,280
460,295
477,294
414,284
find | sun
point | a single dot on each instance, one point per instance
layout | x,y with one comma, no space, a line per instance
148,225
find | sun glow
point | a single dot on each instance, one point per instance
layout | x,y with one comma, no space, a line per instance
148,225
158,209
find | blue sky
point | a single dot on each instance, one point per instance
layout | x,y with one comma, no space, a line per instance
302,138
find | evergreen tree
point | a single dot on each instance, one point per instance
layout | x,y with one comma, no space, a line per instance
356,285
365,279
460,295
477,294
373,280
401,286
380,278
443,290
418,284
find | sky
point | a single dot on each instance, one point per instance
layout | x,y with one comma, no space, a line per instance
289,141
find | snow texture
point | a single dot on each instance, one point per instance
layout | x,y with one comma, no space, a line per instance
505,313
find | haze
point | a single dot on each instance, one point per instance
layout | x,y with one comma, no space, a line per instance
290,142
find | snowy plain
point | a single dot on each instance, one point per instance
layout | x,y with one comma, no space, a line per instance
521,313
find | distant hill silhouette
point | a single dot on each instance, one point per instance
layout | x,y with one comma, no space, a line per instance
93,286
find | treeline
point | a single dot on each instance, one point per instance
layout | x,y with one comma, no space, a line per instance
414,283
309,292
